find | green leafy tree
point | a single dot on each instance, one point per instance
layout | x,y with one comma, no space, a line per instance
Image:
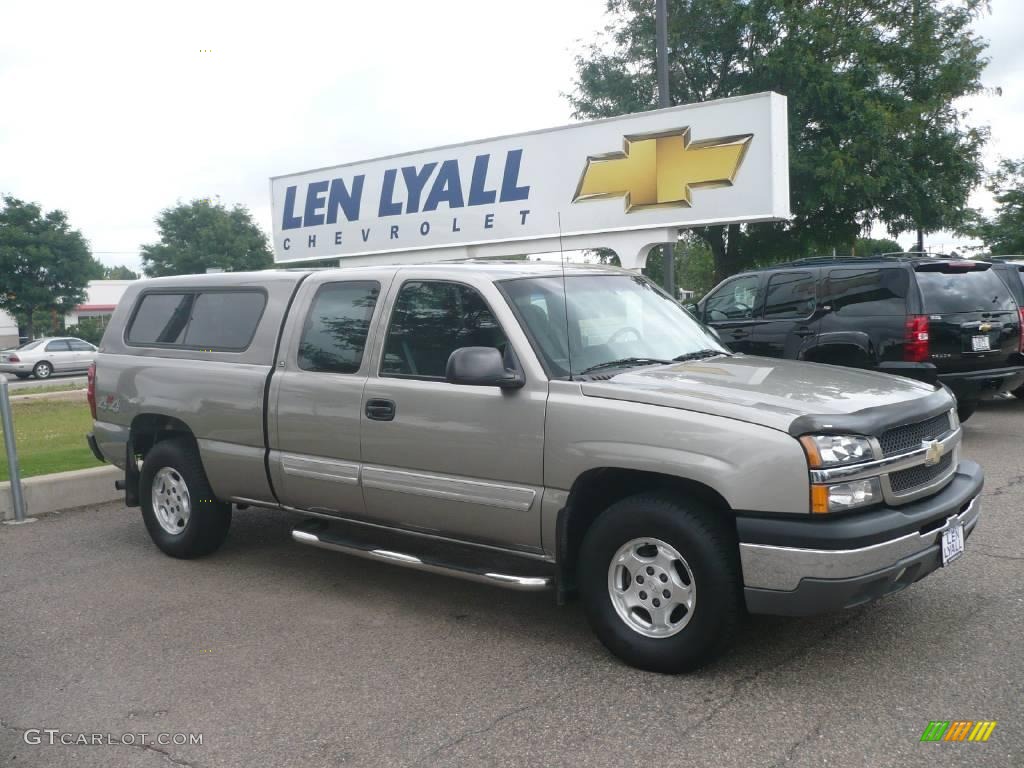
202,234
89,328
120,272
45,265
1003,233
938,161
855,122
695,265
867,246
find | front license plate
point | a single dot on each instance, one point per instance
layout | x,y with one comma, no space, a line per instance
952,544
981,344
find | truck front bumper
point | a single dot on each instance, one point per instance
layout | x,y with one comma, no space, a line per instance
814,565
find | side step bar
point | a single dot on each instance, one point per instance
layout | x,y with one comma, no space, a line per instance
478,573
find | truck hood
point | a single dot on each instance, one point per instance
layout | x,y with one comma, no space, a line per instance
760,390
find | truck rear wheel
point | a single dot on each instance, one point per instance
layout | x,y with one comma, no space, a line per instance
660,583
181,514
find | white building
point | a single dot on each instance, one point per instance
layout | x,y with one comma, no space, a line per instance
100,301
101,297
8,331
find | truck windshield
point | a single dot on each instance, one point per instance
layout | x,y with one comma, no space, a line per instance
611,322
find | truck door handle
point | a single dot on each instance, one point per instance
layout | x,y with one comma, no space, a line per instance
380,410
739,334
803,330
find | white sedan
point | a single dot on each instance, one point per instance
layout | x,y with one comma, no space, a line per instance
44,357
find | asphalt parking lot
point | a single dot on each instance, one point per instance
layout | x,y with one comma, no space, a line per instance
282,655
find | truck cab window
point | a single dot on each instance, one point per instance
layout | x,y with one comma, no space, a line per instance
335,331
430,321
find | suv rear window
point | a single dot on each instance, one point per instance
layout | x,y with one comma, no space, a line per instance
224,320
947,289
867,292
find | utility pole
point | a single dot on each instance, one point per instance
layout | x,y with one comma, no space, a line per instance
661,45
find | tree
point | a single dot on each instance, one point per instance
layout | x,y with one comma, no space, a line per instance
939,159
202,234
45,265
1003,233
857,139
120,272
867,247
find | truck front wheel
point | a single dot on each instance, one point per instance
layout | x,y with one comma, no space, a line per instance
181,514
660,582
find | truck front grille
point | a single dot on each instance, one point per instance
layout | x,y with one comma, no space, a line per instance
908,480
909,436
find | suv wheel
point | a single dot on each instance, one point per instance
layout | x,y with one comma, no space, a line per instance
181,514
1019,393
42,370
660,583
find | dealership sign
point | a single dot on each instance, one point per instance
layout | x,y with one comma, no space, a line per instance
712,163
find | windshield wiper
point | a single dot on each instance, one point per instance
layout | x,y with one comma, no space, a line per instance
700,354
624,361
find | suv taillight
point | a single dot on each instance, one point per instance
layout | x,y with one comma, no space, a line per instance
1020,339
915,339
90,391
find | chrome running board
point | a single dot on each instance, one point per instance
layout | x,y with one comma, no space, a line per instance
320,536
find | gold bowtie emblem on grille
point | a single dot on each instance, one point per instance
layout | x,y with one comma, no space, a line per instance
985,327
660,169
933,451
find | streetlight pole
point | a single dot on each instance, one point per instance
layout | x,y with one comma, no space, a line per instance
661,46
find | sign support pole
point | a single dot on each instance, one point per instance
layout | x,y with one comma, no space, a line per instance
661,43
17,500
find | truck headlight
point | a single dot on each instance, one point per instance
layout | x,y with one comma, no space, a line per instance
842,496
836,450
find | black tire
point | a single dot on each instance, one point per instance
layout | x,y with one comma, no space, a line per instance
707,547
1019,393
965,410
42,370
209,519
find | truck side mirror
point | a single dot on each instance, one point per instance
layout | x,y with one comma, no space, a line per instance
484,367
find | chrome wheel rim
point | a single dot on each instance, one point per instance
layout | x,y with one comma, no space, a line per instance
42,371
171,503
652,587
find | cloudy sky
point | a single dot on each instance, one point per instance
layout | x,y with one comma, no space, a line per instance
112,111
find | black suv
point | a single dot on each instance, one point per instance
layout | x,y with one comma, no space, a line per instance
931,318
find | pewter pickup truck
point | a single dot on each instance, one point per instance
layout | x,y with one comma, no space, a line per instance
528,428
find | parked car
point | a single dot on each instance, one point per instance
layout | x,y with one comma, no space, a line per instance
933,319
530,428
1011,269
44,357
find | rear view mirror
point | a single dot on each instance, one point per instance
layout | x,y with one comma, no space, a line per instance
483,367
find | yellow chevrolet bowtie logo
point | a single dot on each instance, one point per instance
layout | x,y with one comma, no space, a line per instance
660,169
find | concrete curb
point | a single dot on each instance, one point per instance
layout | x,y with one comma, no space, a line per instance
68,394
63,490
